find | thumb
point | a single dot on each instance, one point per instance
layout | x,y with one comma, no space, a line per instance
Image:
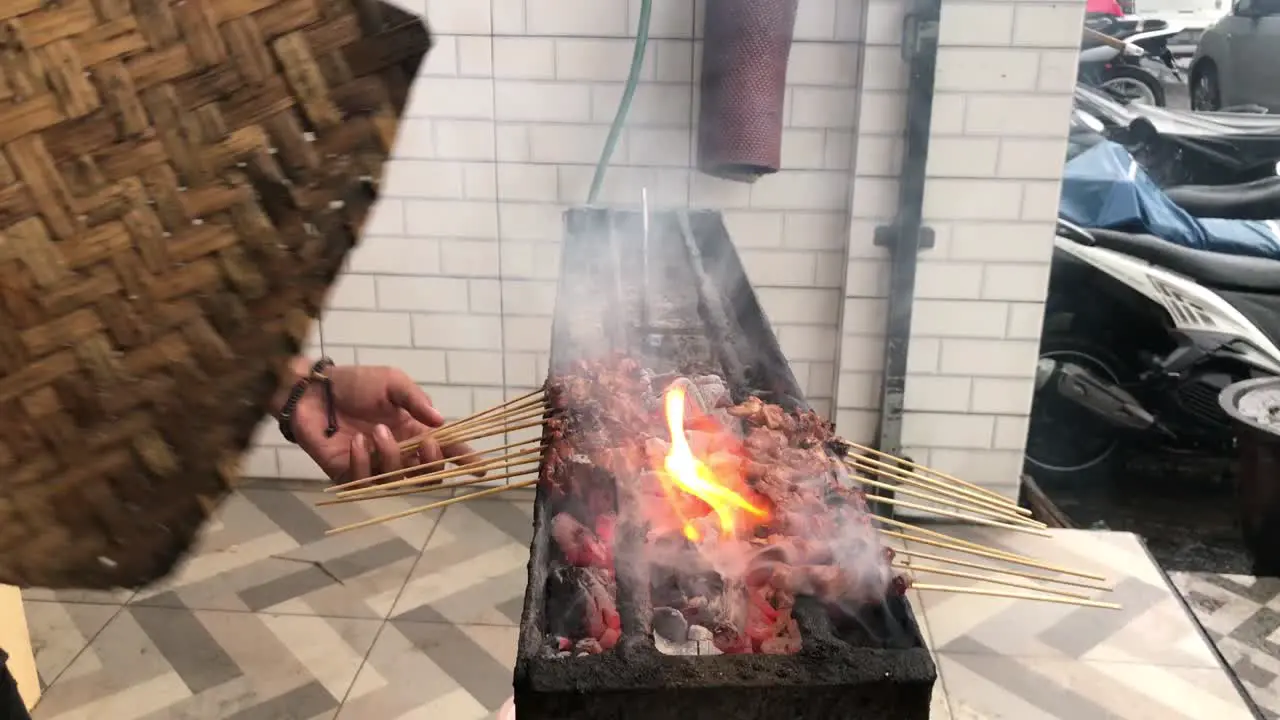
406,395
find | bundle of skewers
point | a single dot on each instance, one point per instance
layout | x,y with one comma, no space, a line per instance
890,483
932,492
513,462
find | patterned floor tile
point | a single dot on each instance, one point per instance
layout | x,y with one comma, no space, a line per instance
267,551
474,570
939,709
152,663
421,671
100,597
998,687
1153,626
1242,616
60,630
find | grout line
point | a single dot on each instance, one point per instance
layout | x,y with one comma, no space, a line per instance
387,620
88,643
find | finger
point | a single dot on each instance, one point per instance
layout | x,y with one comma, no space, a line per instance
462,454
404,394
429,451
360,465
388,449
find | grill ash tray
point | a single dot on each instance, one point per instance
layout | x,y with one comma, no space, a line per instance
613,277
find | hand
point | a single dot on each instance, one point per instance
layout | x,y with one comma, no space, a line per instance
376,408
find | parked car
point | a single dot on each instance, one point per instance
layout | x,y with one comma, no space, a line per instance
1236,59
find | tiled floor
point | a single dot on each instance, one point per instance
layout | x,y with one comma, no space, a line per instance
1242,615
417,619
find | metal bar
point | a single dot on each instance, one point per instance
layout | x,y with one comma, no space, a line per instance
907,236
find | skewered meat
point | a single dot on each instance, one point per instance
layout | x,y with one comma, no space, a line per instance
607,459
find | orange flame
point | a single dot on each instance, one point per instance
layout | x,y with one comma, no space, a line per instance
689,474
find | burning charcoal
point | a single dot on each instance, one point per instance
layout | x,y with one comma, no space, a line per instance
610,638
588,646
697,633
729,640
669,647
670,623
568,602
707,648
579,545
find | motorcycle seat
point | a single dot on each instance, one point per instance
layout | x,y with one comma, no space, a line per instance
1257,200
1216,270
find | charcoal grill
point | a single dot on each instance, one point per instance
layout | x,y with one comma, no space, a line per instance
670,290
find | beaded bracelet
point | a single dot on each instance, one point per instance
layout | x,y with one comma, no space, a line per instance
300,389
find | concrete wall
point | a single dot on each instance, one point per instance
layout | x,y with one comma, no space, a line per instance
455,280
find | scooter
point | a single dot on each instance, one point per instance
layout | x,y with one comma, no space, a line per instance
1111,58
1142,333
1183,148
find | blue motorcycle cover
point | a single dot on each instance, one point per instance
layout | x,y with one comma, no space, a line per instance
1104,187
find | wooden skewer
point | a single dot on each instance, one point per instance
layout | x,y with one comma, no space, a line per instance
980,553
910,478
504,409
482,433
956,543
527,398
450,437
986,512
925,468
1001,570
535,406
437,477
460,461
1016,595
437,483
959,516
985,578
430,507
434,488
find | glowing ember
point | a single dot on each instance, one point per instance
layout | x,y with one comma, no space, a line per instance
685,472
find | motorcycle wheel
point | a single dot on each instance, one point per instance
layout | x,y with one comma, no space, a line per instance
1134,84
1065,445
1205,96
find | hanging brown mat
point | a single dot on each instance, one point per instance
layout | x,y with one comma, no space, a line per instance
744,81
179,185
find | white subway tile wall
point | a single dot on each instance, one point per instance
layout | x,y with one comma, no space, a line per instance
1006,70
455,278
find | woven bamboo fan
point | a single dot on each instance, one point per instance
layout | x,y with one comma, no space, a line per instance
179,185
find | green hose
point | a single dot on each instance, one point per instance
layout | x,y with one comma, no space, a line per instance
624,105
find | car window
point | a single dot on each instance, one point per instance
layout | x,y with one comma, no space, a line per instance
1258,7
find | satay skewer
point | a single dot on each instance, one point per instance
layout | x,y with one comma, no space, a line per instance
1014,595
924,468
451,438
958,505
912,478
956,543
959,516
529,398
1001,570
441,475
1026,562
481,433
459,461
522,472
930,570
432,506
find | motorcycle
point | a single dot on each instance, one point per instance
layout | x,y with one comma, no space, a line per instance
1181,148
1112,53
1150,314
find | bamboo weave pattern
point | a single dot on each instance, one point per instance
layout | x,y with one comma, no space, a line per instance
180,181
